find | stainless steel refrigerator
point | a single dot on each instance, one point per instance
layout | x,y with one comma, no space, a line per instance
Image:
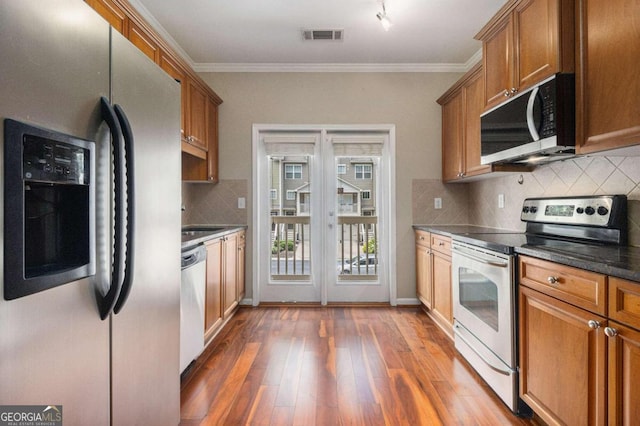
58,59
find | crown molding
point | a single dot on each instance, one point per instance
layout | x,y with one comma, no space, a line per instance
306,67
151,20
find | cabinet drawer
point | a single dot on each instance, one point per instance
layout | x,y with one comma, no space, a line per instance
441,244
580,288
624,302
423,238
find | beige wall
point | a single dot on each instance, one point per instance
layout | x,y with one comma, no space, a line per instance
407,100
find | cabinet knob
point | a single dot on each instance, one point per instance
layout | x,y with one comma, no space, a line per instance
422,238
506,94
611,332
440,243
514,90
593,324
553,280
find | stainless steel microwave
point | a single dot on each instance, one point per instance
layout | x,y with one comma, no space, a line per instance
537,125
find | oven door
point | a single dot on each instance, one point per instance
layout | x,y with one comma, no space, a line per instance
484,297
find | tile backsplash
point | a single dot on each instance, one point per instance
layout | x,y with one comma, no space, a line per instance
455,203
591,175
214,204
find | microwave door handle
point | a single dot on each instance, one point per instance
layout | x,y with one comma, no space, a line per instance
107,302
530,119
130,209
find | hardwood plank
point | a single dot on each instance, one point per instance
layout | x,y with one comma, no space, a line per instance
337,365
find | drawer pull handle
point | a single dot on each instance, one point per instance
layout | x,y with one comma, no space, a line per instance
611,332
553,280
441,243
593,324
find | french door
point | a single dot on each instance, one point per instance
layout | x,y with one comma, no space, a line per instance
322,215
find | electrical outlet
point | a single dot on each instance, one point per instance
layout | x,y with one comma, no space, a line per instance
437,203
501,201
242,203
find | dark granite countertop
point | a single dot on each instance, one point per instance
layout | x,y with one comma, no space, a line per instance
449,230
622,262
193,235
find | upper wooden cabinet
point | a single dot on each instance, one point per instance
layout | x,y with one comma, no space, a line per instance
199,104
196,129
112,13
607,83
526,42
144,41
172,67
462,105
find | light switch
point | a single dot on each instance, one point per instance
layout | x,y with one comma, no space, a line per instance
242,203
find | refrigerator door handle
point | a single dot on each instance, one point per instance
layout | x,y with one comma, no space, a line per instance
107,302
130,207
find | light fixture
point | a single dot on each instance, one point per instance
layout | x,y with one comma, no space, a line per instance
384,19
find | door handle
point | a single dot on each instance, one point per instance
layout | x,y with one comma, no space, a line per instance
129,254
107,302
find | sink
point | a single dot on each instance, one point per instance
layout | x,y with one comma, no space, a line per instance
200,230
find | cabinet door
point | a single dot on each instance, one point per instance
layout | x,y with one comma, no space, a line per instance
442,286
537,39
562,360
230,271
473,107
607,83
624,375
213,301
111,13
423,274
143,41
240,290
177,72
497,53
212,136
197,115
452,138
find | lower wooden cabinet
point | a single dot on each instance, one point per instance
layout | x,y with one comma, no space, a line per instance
423,268
624,375
579,356
433,277
225,280
562,361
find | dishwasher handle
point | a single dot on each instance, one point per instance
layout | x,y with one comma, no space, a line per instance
192,256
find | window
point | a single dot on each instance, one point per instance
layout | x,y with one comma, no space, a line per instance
291,195
366,195
274,194
293,171
342,169
363,171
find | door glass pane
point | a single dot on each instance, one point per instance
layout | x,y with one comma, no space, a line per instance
290,196
479,295
357,221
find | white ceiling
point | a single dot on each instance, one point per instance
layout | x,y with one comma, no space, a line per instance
255,35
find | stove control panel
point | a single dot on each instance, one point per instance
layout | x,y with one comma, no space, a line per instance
599,211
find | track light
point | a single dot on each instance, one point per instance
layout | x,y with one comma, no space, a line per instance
384,19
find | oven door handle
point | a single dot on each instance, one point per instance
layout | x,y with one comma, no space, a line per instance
481,260
507,372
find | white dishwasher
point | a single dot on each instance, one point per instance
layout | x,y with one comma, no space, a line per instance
192,294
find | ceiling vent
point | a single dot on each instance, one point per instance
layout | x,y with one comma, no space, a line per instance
332,35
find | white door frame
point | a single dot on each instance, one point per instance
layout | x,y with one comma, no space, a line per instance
261,205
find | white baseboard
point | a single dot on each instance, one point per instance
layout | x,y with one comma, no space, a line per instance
411,301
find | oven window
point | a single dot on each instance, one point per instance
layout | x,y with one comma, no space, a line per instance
479,295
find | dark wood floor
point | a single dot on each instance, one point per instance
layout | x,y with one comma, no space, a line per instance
337,366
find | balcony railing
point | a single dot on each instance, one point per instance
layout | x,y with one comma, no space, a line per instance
290,248
357,248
